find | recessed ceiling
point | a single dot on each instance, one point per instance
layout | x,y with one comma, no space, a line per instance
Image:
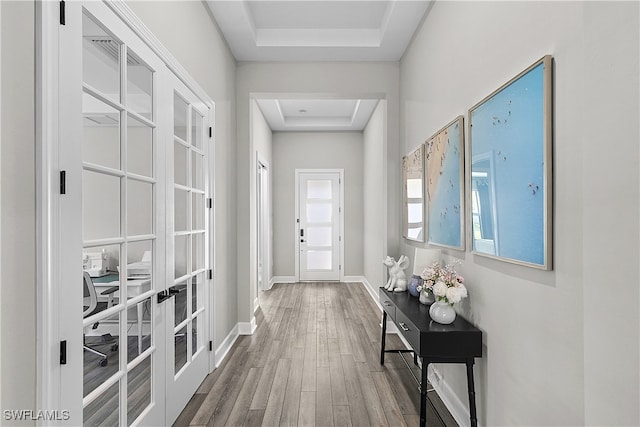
317,114
312,30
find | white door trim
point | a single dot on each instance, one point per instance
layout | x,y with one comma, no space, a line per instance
265,209
297,223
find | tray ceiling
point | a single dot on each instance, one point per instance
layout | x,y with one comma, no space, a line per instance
311,30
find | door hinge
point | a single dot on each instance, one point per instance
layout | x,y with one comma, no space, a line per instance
210,131
210,345
210,273
63,18
63,352
209,203
339,238
63,182
339,267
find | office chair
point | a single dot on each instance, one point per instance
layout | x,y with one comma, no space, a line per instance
92,306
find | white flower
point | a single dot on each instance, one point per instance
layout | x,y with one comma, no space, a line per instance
462,289
454,295
440,289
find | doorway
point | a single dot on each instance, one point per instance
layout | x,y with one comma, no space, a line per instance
319,224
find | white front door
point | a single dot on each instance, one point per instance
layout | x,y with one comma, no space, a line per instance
319,225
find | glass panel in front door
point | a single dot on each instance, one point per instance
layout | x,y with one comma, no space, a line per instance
319,215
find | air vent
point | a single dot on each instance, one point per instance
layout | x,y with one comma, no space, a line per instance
111,48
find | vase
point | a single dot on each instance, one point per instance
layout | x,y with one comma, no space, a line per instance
442,312
414,282
426,297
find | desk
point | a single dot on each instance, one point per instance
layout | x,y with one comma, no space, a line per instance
459,342
135,287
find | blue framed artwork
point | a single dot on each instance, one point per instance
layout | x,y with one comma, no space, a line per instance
509,159
445,186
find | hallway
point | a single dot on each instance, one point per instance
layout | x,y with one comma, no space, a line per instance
313,360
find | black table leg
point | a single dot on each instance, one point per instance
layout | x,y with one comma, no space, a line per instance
423,394
384,336
472,394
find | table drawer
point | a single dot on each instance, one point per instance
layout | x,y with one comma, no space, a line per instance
388,306
408,330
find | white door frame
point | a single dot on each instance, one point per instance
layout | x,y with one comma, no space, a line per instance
263,223
297,223
48,368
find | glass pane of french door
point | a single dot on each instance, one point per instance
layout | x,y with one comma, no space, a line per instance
119,221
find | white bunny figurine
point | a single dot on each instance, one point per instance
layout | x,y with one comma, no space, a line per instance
397,279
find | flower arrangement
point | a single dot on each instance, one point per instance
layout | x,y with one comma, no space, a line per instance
444,283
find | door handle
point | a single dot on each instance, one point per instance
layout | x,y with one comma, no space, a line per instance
164,295
301,232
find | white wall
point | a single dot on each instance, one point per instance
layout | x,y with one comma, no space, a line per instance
375,177
362,79
17,215
188,32
560,347
317,150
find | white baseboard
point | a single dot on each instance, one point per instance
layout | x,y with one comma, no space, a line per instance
459,411
357,279
372,291
247,328
225,346
281,279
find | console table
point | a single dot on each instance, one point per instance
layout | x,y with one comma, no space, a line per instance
459,342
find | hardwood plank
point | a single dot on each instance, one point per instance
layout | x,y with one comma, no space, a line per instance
307,414
273,410
341,416
359,415
324,405
371,399
291,404
405,390
208,407
254,418
263,389
243,401
338,388
387,399
309,369
185,417
230,396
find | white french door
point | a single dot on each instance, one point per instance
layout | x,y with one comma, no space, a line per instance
188,317
133,208
318,213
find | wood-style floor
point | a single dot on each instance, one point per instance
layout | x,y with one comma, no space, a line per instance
313,360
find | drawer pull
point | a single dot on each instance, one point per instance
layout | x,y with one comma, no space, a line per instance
403,326
387,303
